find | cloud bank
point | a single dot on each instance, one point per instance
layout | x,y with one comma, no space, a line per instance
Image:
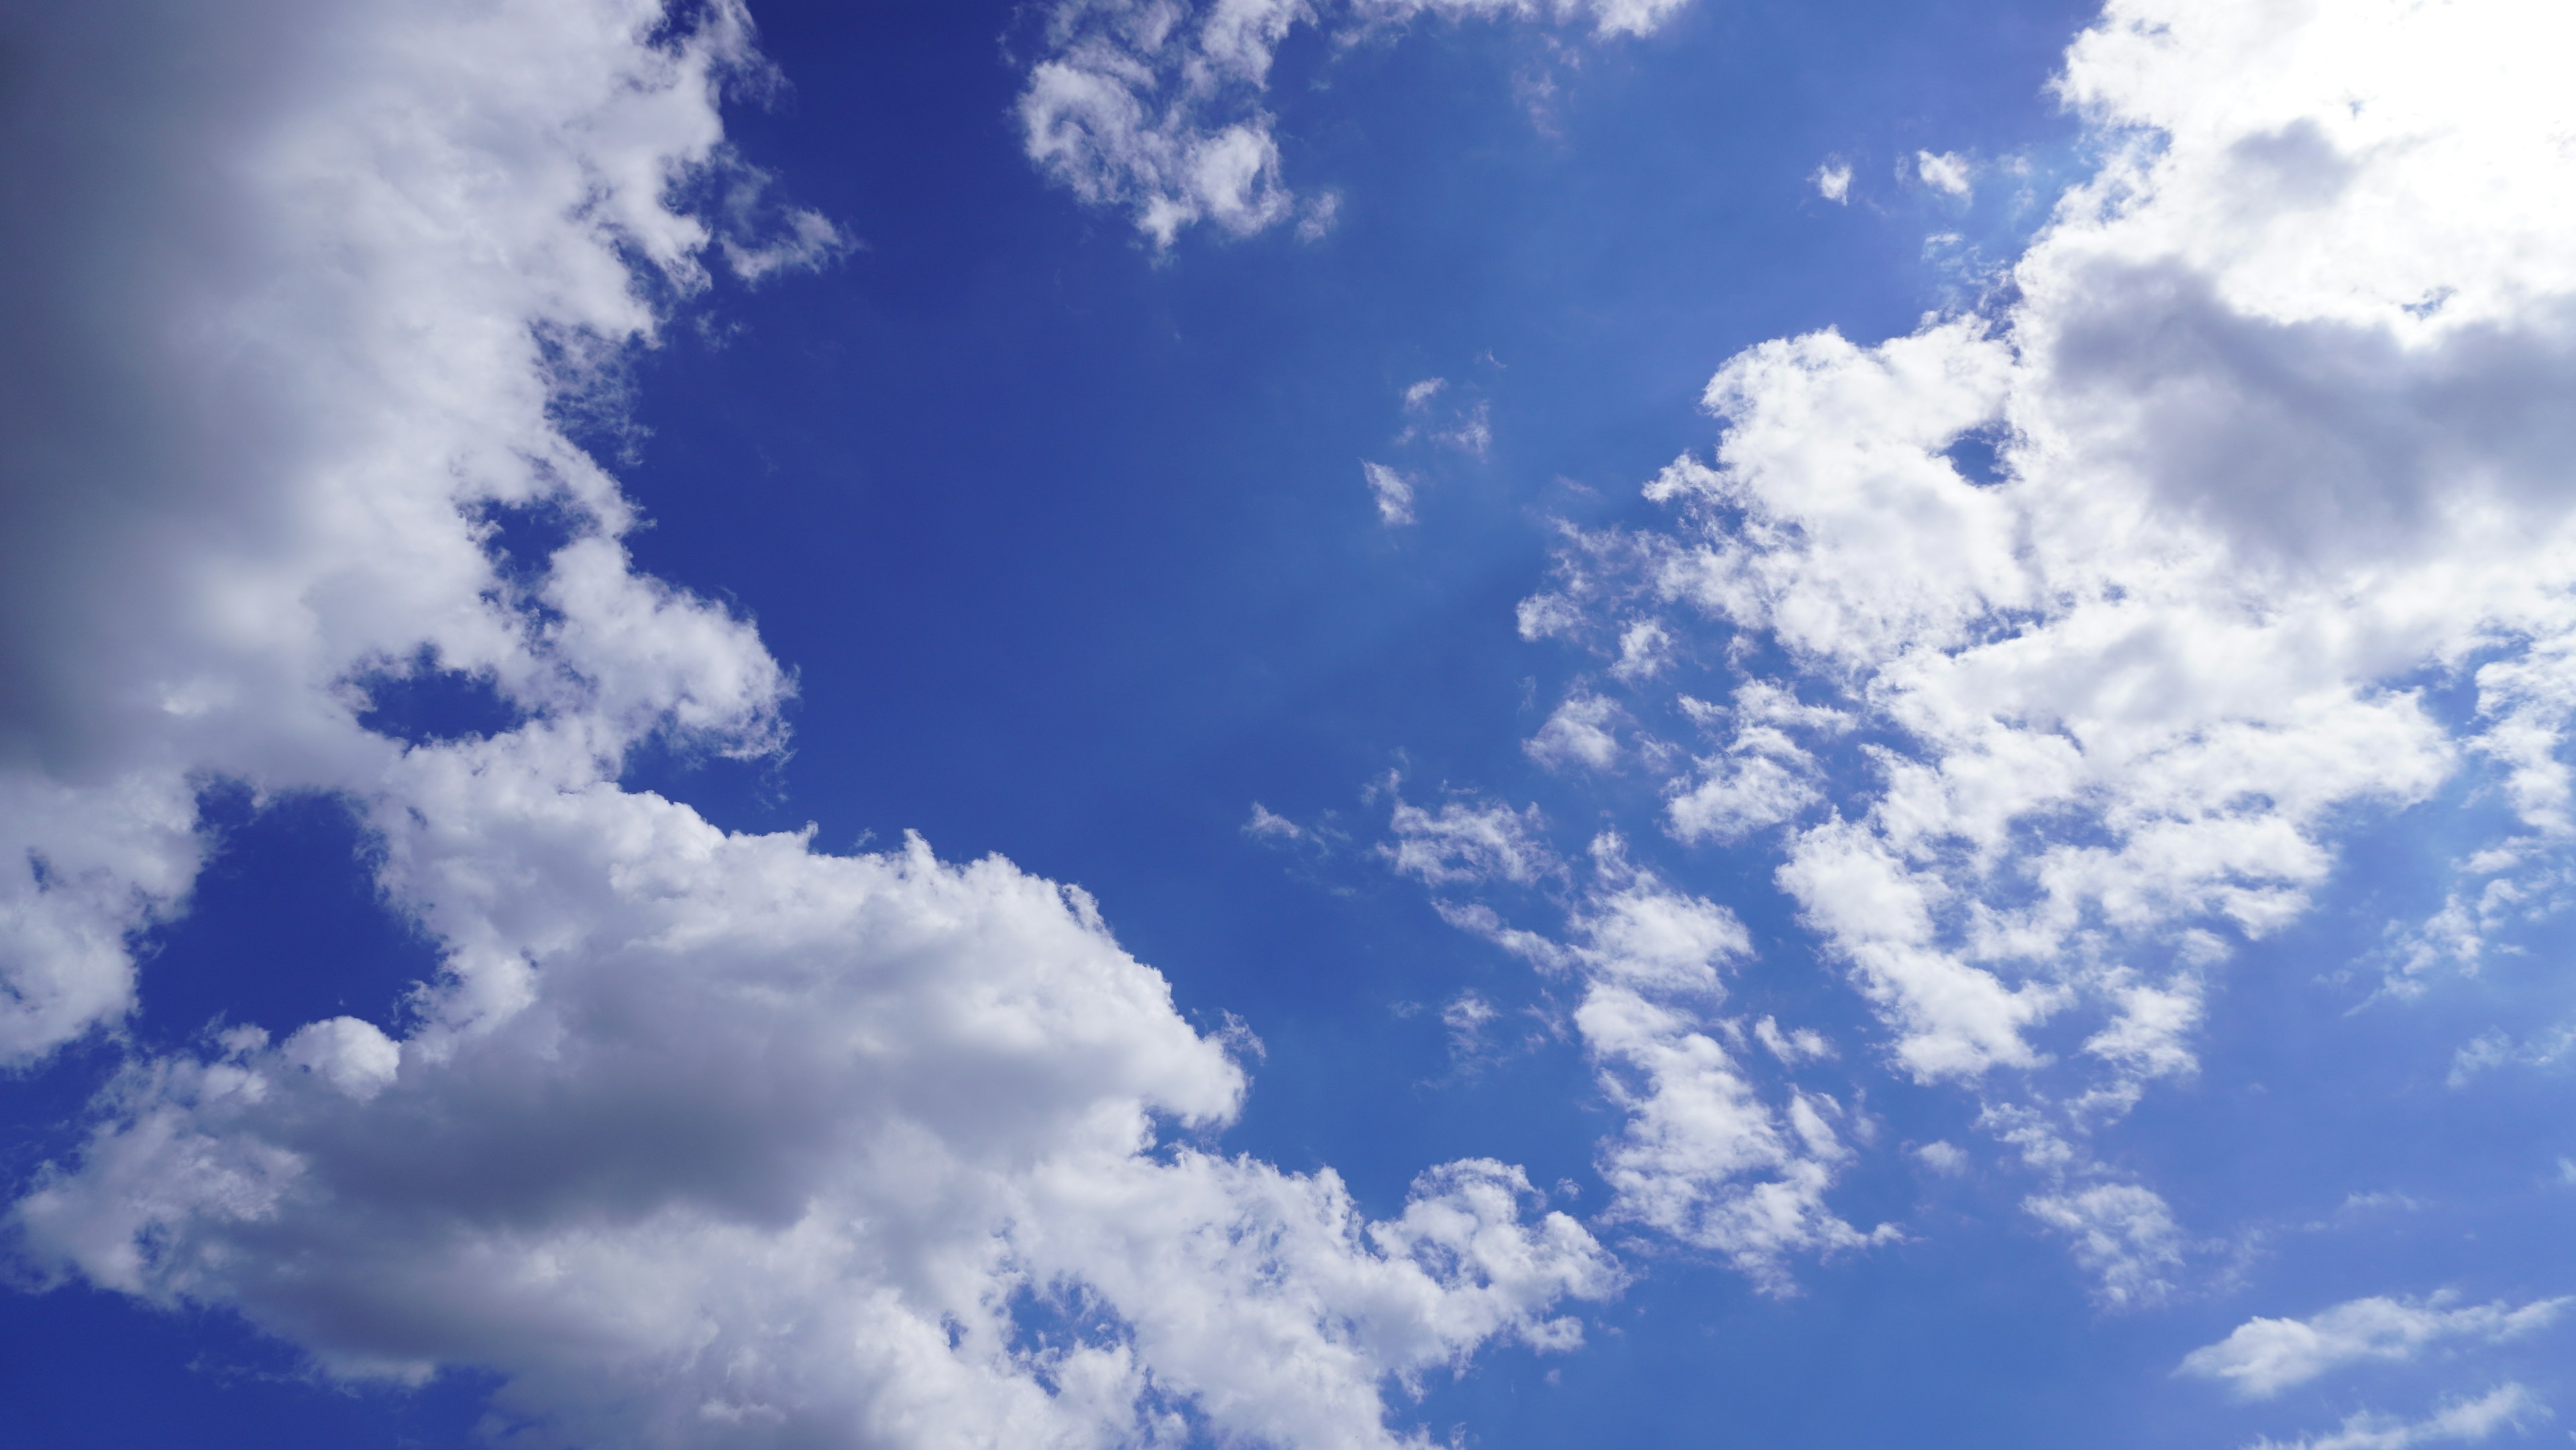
698,1138
2277,537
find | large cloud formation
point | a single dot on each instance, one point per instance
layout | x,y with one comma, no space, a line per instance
2279,532
699,1137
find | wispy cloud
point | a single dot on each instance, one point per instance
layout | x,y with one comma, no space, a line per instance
1155,106
2459,1422
2263,1357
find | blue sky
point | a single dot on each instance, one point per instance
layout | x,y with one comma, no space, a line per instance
2013,896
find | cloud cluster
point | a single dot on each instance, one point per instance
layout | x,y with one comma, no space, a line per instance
1154,107
698,1138
1701,1159
2243,513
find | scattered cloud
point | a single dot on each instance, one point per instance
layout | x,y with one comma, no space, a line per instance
1578,733
2458,1422
1833,182
1267,825
1155,107
1393,492
2497,1048
1943,171
1702,1159
1468,844
2123,1233
1791,1046
2131,635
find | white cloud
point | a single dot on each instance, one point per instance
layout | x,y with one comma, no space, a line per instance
697,1136
1943,171
1474,435
1470,428
1833,182
1579,732
1464,844
1267,824
1645,648
1764,777
1701,1159
1393,492
1791,1045
2507,1407
809,243
1467,1016
2123,1233
2273,407
2496,1048
2263,1357
1155,106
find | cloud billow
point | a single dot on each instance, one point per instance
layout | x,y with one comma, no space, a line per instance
698,1137
2277,407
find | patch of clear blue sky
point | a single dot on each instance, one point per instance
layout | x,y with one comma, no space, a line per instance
1070,548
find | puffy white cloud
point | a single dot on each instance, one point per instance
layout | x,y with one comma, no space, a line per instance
1833,182
2273,409
311,281
697,1138
1579,732
1943,171
1155,106
2263,1357
2506,1407
792,1146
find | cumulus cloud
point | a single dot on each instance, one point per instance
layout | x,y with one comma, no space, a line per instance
2263,1357
1943,171
2132,583
697,1138
1154,107
1833,182
1579,732
2457,1422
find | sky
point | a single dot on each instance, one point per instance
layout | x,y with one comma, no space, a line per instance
1287,723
